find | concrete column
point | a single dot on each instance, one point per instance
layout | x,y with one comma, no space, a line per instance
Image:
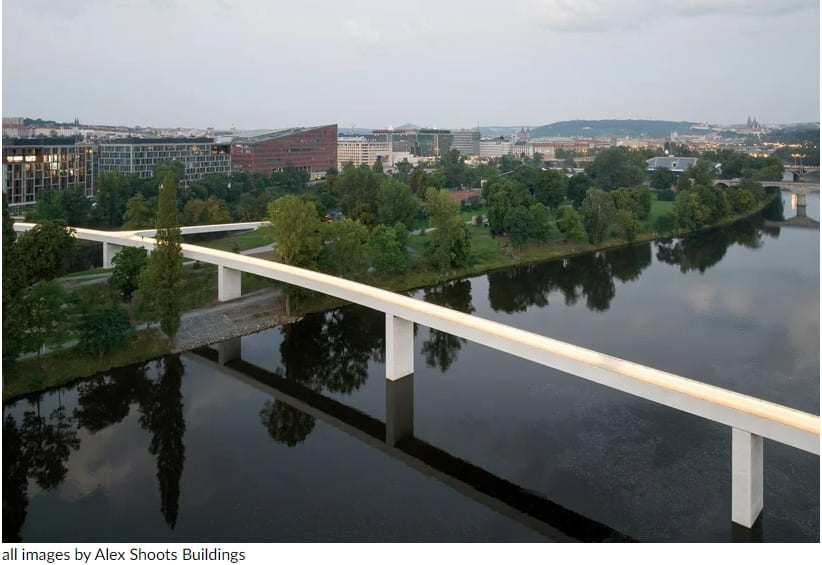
229,283
230,350
399,347
109,251
801,206
747,477
399,409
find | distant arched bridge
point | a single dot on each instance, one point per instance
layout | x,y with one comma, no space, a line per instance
799,188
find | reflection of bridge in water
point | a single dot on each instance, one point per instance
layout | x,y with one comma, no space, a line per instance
395,437
801,220
751,420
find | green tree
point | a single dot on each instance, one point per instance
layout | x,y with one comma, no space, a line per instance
377,167
539,222
387,250
614,167
14,284
740,200
517,226
47,249
755,188
662,178
162,278
111,198
395,203
627,224
295,226
450,243
138,214
571,225
691,212
597,212
103,329
205,212
128,266
666,223
578,186
44,321
551,188
344,250
402,171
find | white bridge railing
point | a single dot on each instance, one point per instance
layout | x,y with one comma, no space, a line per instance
750,418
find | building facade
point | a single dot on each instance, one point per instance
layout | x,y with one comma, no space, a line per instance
496,147
362,150
467,141
418,142
138,156
313,150
50,163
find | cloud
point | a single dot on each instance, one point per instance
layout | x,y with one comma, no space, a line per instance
361,31
607,15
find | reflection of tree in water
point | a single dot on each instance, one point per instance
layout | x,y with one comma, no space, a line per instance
286,424
161,413
105,400
441,348
38,449
590,276
327,351
703,250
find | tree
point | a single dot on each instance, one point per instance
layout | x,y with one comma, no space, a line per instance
516,225
395,203
377,168
627,224
42,306
295,227
691,212
662,178
47,249
111,198
578,186
138,214
539,222
597,212
614,167
344,249
14,284
204,212
386,247
450,243
740,200
128,266
666,223
103,329
162,278
571,226
551,188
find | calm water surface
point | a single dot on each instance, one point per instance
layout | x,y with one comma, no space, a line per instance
287,441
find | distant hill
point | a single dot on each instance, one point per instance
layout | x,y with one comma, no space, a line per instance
607,128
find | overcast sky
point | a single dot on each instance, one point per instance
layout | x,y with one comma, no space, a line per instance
269,64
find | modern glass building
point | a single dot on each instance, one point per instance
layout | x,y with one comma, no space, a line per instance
201,156
31,165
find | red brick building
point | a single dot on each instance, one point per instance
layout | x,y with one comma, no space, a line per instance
313,150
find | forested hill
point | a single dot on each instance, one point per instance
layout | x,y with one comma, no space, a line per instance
608,128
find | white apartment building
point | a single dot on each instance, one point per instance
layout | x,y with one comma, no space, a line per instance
362,151
495,147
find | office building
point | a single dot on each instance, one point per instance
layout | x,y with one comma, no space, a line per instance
313,150
138,156
362,150
31,165
467,141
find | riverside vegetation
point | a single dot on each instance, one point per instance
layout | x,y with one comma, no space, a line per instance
354,224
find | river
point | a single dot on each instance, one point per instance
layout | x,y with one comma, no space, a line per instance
181,450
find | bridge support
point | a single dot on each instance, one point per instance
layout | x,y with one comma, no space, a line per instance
399,347
746,477
109,251
229,283
230,350
399,409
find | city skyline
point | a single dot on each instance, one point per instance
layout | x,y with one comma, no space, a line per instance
177,63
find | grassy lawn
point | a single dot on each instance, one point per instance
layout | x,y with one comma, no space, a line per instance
239,241
61,367
659,208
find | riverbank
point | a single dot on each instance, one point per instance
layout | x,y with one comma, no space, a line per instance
263,309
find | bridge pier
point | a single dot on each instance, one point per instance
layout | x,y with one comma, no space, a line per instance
399,409
229,283
230,350
109,251
746,477
399,347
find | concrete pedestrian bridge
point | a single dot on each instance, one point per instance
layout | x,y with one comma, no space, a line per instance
751,419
